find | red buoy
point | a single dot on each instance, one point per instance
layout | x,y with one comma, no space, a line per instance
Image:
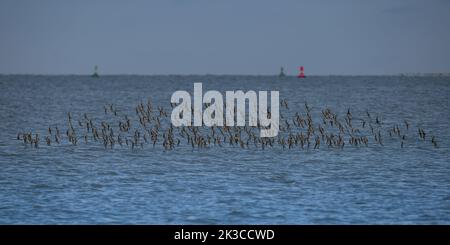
302,72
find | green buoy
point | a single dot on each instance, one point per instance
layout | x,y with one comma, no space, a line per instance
282,72
95,72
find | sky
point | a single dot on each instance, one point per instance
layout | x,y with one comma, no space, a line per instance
255,37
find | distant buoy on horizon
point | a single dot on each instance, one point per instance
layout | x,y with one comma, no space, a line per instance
282,72
95,72
302,72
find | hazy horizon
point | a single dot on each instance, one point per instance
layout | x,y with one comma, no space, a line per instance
177,37
228,74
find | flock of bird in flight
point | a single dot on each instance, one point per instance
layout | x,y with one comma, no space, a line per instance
151,126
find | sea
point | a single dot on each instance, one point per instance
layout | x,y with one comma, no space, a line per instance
401,181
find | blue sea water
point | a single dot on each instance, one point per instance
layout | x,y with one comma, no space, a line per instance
88,184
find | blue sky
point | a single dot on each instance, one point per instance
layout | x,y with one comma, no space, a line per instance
224,37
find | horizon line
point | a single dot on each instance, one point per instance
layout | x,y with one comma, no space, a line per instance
228,74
